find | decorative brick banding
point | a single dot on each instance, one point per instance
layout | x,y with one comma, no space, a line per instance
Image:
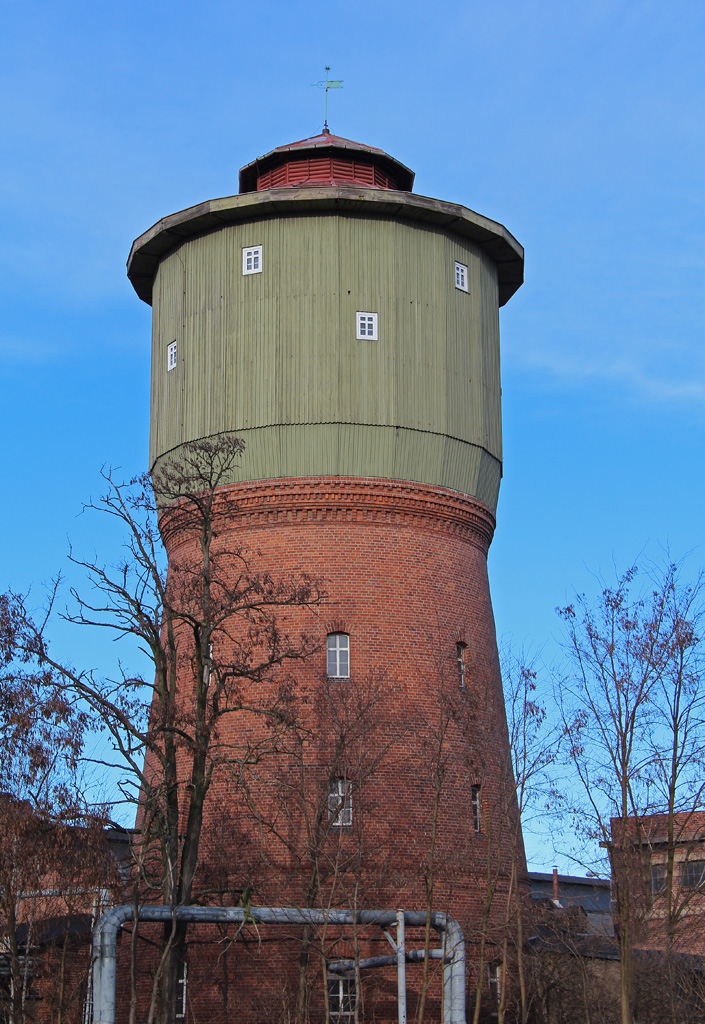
358,500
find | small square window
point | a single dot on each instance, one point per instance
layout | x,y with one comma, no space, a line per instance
461,276
338,656
476,804
367,326
252,259
340,803
342,998
171,356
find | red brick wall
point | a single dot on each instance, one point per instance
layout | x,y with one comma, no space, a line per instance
405,571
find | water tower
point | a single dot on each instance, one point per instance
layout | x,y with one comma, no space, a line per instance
347,330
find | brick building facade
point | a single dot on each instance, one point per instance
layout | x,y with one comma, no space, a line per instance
666,859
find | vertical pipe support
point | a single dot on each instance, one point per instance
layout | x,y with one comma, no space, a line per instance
96,968
449,981
401,967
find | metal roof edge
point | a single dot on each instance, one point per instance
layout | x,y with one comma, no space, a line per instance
168,233
544,876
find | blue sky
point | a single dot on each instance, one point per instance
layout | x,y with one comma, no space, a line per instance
580,127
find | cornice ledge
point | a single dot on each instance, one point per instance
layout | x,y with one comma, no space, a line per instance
363,499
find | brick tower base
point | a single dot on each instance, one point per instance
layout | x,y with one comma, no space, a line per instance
412,743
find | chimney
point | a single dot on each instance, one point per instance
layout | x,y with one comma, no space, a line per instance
555,883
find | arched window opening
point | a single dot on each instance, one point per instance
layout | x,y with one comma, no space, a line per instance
338,655
461,653
340,803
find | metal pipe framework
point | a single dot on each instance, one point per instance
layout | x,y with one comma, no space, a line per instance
105,935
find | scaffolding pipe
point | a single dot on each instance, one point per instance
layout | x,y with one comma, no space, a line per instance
105,935
401,967
413,956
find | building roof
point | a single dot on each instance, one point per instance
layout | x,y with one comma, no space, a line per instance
326,138
46,930
604,947
547,939
652,829
592,895
591,892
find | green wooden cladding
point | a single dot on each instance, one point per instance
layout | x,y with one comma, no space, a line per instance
273,356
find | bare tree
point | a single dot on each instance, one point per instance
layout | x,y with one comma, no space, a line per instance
462,740
212,628
678,737
53,855
324,836
495,854
633,721
571,976
436,735
534,743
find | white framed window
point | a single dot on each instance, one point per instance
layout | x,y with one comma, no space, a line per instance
461,654
367,326
340,803
252,259
461,276
476,807
171,356
342,997
494,982
181,986
338,655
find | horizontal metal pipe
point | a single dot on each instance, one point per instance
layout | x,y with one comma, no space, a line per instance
413,956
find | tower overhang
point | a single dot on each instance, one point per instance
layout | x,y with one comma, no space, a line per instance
170,232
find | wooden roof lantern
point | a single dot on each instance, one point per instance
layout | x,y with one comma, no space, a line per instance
325,159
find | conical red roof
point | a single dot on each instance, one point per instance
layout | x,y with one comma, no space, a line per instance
325,159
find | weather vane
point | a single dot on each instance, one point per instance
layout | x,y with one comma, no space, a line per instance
330,83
